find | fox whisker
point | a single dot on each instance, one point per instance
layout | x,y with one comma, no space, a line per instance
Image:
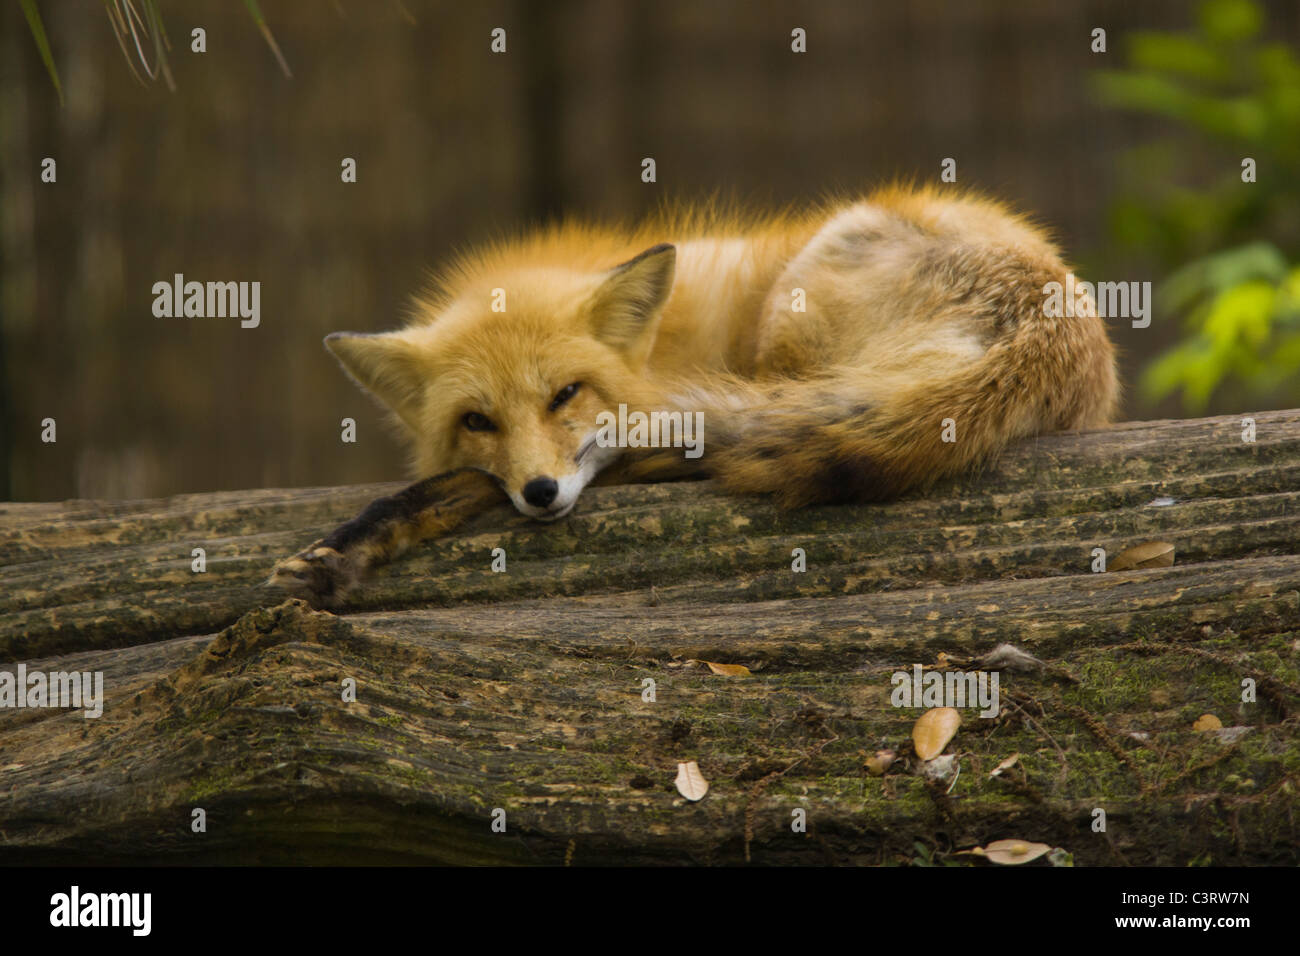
585,448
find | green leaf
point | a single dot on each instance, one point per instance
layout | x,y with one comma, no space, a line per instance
256,13
1178,54
1284,362
1219,271
1192,366
1288,297
1241,315
1230,21
42,43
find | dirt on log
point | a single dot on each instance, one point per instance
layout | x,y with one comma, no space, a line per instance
524,693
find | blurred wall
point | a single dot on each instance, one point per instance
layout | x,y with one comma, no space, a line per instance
235,176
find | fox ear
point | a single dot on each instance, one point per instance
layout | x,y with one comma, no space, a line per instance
386,365
625,309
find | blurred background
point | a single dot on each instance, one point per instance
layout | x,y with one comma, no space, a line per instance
1132,156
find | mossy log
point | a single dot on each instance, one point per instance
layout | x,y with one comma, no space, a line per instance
523,690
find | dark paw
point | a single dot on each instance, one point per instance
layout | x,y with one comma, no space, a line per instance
318,575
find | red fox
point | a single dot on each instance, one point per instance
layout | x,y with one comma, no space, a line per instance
850,352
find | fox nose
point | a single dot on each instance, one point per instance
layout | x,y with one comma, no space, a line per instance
540,492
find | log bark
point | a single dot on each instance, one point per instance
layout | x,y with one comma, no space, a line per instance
523,691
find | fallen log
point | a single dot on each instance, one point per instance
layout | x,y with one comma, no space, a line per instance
521,695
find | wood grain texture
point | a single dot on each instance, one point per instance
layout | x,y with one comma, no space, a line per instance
522,690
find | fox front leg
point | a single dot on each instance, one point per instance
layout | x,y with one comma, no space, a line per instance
325,571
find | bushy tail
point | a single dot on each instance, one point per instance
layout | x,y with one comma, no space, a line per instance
835,438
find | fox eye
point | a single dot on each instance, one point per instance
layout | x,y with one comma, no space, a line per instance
476,422
564,394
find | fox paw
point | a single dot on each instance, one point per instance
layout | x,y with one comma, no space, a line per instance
321,576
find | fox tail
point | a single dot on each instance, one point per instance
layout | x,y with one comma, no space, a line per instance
836,438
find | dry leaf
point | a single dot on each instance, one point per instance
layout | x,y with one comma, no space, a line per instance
729,670
725,670
690,782
1004,765
1014,852
1207,722
933,730
882,761
1149,554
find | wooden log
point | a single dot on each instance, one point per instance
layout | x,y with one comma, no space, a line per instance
523,691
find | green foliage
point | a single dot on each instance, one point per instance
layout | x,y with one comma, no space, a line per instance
37,27
256,13
1243,309
135,28
1222,93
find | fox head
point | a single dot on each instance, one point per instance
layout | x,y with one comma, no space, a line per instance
509,377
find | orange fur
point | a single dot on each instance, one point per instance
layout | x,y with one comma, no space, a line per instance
921,306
